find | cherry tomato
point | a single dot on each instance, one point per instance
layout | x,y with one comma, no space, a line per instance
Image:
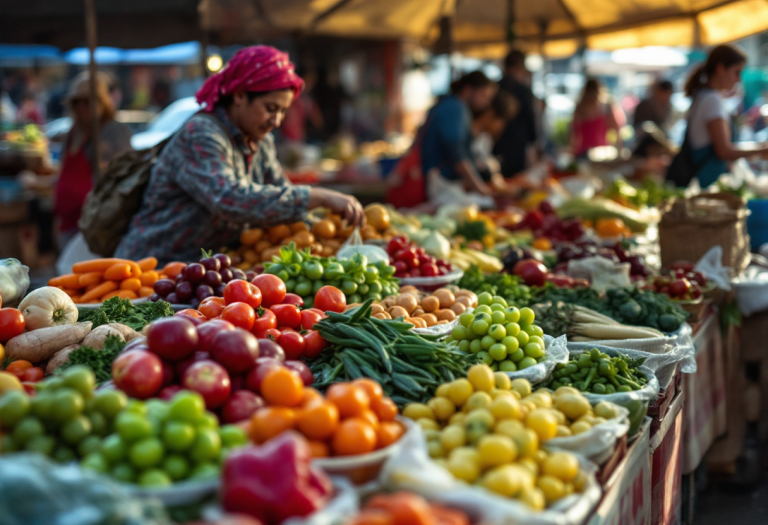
314,344
292,298
264,322
212,307
238,291
32,375
239,314
11,324
18,367
273,333
309,318
293,344
272,288
330,298
396,244
191,312
288,315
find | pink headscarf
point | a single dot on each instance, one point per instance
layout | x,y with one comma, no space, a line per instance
257,68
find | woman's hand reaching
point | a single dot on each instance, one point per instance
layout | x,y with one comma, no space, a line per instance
346,205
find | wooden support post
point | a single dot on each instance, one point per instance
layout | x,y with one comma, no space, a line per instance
90,29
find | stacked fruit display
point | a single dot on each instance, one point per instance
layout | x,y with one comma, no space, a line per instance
618,253
682,283
424,309
305,274
544,223
410,260
488,430
502,336
152,444
193,283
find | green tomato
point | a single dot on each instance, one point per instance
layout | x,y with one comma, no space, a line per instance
351,299
206,447
89,445
146,453
41,444
313,270
54,383
475,346
14,406
466,320
517,355
526,362
527,316
178,436
482,316
95,462
303,289
67,404
484,299
448,340
375,288
537,331
459,333
363,289
495,366
208,420
529,329
483,309
232,436
512,329
498,352
497,331
497,299
485,357
80,378
154,478
316,285
26,429
537,339
512,314
487,341
99,423
309,302
480,327
136,406
124,472
157,409
283,274
290,285
495,307
42,404
63,454
498,317
187,406
523,338
176,466
206,470
75,430
113,448
507,366
110,402
533,350
511,343
371,274
7,444
464,345
132,426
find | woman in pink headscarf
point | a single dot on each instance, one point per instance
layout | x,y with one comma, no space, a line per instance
219,173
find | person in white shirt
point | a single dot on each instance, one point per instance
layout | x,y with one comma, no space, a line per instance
707,144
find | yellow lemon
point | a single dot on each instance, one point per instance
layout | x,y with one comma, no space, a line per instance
580,427
541,399
505,480
563,431
502,381
566,390
522,387
457,419
496,393
598,420
606,409
509,427
572,405
453,436
579,482
543,422
481,377
482,415
559,416
418,411
431,434
533,497
462,467
436,449
553,488
530,464
442,390
506,407
441,407
459,391
562,465
428,424
527,442
496,449
478,400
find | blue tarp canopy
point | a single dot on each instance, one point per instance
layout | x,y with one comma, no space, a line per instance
21,55
183,53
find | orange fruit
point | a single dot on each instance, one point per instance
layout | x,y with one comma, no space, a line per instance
282,387
319,449
353,436
371,417
406,508
304,238
319,421
268,422
251,237
351,400
377,217
385,409
173,269
388,432
278,233
371,387
311,396
299,227
324,229
372,517
612,227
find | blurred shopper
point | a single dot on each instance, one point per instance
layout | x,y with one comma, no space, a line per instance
707,149
657,108
302,112
220,171
487,127
30,110
520,135
78,156
593,117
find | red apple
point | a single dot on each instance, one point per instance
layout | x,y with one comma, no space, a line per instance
300,368
207,331
137,373
254,378
182,365
139,342
269,348
237,381
237,350
172,338
240,406
210,380
167,373
167,393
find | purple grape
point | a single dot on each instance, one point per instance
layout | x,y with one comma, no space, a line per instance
212,278
226,275
237,273
194,303
194,273
154,297
224,260
250,275
173,298
203,292
219,290
179,278
211,264
184,291
164,286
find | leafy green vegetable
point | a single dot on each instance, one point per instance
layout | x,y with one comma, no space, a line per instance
123,311
472,230
100,361
502,284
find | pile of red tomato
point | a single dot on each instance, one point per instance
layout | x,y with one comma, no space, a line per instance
411,260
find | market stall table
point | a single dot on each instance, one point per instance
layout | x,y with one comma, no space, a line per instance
666,463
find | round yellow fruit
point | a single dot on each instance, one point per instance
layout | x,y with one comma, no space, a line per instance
482,415
563,431
598,420
453,436
441,407
606,409
506,407
543,422
541,399
459,391
478,400
562,465
496,393
590,420
506,480
431,434
580,427
579,482
559,416
530,464
9,382
509,427
428,424
533,497
481,377
566,390
552,488
436,449
464,468
496,449
527,442
502,381
572,405
457,419
522,387
418,411
442,390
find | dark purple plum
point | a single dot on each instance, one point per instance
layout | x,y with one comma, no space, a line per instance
194,273
180,278
226,275
184,291
154,297
224,260
212,278
250,275
173,298
203,292
211,264
164,286
219,290
237,273
269,348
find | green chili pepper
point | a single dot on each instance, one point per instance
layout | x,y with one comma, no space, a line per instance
371,274
294,270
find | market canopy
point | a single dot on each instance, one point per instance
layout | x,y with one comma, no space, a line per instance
555,27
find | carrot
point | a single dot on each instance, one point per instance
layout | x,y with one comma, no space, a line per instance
90,278
162,276
122,294
149,278
77,299
133,284
71,280
148,264
146,291
118,272
91,287
173,269
135,269
97,265
70,292
99,290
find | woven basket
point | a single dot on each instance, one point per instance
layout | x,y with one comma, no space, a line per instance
690,227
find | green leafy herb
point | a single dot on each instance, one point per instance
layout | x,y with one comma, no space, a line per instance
123,311
100,361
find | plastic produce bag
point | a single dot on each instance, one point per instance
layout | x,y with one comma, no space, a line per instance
556,352
711,265
75,251
14,281
752,290
602,273
412,469
355,245
598,443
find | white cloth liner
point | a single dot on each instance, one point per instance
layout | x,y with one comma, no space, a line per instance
598,443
